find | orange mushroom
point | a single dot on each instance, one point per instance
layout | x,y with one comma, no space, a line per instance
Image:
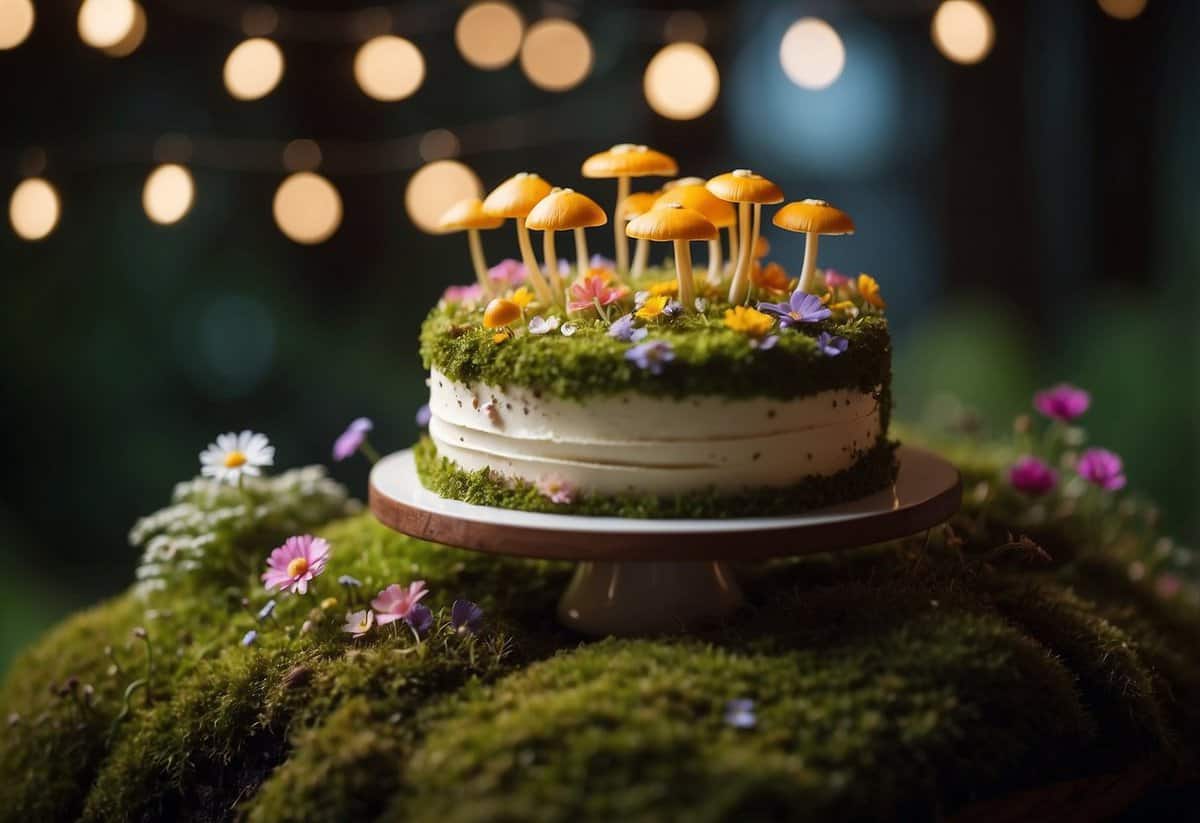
814,218
565,209
696,197
747,189
624,161
468,215
679,225
515,198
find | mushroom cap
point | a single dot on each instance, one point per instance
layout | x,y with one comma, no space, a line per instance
671,222
500,312
697,198
516,196
683,181
745,186
565,209
814,216
629,160
466,214
638,203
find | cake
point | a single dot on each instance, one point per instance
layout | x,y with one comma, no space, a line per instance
591,386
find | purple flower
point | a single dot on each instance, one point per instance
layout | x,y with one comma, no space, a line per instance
764,343
672,310
543,325
423,415
599,261
352,439
1062,402
266,611
421,620
349,582
831,346
652,357
1101,468
623,329
800,308
740,714
249,637
466,617
1032,476
507,272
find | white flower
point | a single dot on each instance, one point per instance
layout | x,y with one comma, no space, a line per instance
235,455
542,325
568,329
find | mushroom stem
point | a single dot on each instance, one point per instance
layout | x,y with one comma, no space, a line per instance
811,239
683,272
754,232
640,252
733,245
581,252
622,245
739,287
714,261
481,273
550,257
540,287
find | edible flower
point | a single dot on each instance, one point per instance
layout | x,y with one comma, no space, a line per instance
507,272
359,623
249,637
672,310
420,619
568,329
543,325
748,321
423,415
397,602
869,289
593,292
771,277
353,439
294,564
266,611
834,279
661,287
801,307
652,356
653,307
1102,468
599,261
1063,402
740,714
466,617
556,488
522,297
831,346
1032,476
463,294
235,455
623,329
765,344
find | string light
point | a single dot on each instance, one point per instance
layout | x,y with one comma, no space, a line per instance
1123,9
308,209
963,31
128,44
436,187
488,35
389,68
556,54
168,194
104,23
253,69
681,81
33,209
812,54
16,21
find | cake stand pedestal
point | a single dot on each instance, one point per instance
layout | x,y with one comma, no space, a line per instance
652,576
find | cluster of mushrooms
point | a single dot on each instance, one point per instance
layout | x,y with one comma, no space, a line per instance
684,210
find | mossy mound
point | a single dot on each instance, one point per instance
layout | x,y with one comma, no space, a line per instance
903,681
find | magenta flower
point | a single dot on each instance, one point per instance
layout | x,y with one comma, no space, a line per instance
1032,476
463,294
397,602
800,308
834,279
359,623
295,563
592,292
556,489
1062,402
352,439
508,273
1101,468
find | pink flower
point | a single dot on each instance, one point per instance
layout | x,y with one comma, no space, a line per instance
352,439
507,273
1101,468
398,603
1062,402
1032,476
463,294
359,623
295,563
556,489
834,279
592,291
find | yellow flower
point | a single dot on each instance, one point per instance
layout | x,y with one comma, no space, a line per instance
748,321
328,603
869,289
500,336
603,272
653,307
522,297
668,287
771,277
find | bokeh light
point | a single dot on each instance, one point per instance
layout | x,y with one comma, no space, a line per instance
1123,9
681,81
812,53
33,209
963,31
556,55
308,209
16,21
389,68
253,69
168,194
488,35
104,23
436,187
128,44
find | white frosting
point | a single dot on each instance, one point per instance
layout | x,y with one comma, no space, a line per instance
636,443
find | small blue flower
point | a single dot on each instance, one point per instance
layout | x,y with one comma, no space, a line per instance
740,714
266,611
652,357
831,346
349,582
800,308
423,415
765,343
421,619
466,617
623,329
249,637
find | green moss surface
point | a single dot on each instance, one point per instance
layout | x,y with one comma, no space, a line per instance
904,681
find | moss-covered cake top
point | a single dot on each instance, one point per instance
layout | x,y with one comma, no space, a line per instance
639,338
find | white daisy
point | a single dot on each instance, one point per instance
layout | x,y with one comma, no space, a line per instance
234,455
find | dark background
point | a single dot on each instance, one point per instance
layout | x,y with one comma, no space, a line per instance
1032,218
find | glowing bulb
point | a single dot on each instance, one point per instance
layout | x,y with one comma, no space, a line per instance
128,44
812,54
436,187
1123,9
308,208
556,55
253,69
488,35
104,23
168,194
389,68
16,21
681,81
33,209
963,31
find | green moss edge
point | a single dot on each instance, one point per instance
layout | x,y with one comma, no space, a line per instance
875,469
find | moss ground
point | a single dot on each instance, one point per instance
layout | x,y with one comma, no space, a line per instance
905,681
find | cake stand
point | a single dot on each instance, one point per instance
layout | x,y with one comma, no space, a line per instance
639,576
